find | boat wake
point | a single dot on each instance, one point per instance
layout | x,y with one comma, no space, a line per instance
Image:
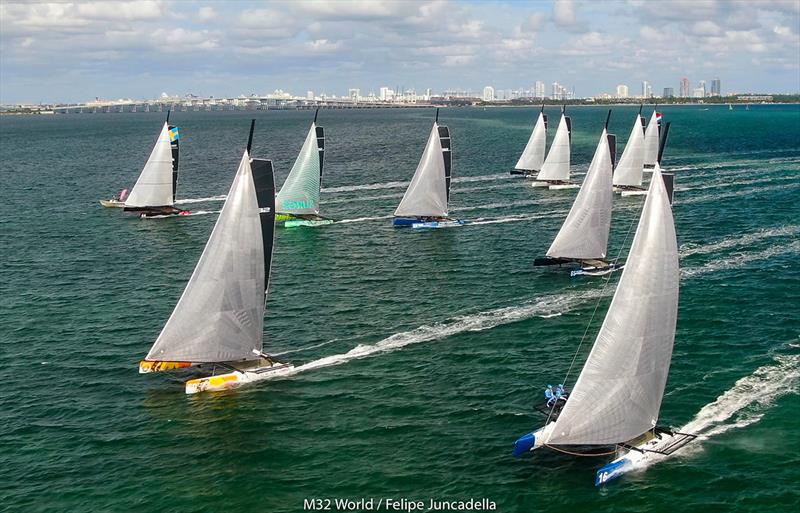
188,201
740,192
745,240
742,405
398,185
740,260
364,219
547,306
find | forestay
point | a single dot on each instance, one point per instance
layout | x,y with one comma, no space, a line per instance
300,191
533,156
617,396
220,315
651,136
631,165
427,193
556,165
155,186
584,234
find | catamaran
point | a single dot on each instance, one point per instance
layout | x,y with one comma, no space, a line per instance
297,203
652,137
532,156
154,191
616,400
217,328
425,203
583,238
555,169
115,202
630,170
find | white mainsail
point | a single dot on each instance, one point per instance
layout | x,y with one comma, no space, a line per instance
651,141
631,165
300,191
618,394
427,193
584,234
154,186
556,165
220,316
533,155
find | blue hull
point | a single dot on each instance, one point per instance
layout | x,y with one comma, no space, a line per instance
611,471
404,221
524,444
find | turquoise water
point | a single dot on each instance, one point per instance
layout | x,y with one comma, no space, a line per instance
420,354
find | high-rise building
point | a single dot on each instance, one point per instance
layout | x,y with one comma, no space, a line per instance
669,92
622,91
684,87
354,94
716,89
386,93
540,91
702,85
647,89
488,94
309,95
699,92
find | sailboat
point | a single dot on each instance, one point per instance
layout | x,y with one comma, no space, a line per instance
217,328
616,400
115,202
425,203
555,169
532,156
652,136
730,106
583,238
154,191
632,190
297,203
630,170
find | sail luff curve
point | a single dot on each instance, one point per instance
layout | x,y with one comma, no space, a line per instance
427,194
155,185
556,165
220,315
532,156
584,234
618,394
300,191
631,165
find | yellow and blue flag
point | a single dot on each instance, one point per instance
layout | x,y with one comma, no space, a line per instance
173,134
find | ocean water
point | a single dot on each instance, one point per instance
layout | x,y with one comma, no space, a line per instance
420,354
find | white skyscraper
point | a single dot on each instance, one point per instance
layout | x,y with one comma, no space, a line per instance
622,91
386,94
309,95
540,92
488,94
647,89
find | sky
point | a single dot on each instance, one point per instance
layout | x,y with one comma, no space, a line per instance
76,51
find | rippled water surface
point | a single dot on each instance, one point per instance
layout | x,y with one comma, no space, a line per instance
420,354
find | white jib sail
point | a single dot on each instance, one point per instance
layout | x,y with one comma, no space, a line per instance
617,396
300,191
154,186
220,316
556,165
427,193
651,141
533,156
584,234
631,165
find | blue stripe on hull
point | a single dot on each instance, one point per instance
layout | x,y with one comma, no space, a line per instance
404,221
611,471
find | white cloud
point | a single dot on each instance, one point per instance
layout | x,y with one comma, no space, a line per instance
564,12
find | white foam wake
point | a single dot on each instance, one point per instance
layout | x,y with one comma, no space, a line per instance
744,240
546,306
732,194
187,201
363,219
740,260
397,185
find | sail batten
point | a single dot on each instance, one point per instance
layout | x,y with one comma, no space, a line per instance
532,157
220,315
155,186
556,164
429,190
584,234
300,192
618,394
631,165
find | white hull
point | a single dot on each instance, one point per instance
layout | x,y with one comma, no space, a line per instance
634,193
596,270
540,184
438,224
112,203
564,186
236,379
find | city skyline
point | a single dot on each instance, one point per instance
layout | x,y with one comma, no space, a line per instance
138,49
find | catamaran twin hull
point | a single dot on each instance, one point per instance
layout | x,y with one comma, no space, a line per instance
293,221
166,211
240,373
524,173
424,223
593,267
556,185
112,203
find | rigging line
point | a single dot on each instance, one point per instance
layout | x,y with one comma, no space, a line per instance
596,306
584,454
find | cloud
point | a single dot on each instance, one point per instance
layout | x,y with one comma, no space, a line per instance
564,13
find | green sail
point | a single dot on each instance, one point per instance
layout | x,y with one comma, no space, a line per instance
300,192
